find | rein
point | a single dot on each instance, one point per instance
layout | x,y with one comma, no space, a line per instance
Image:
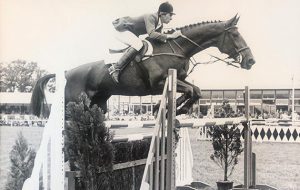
238,51
170,54
192,59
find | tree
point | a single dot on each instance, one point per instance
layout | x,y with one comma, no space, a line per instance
225,110
227,146
22,161
226,141
88,143
20,76
1,77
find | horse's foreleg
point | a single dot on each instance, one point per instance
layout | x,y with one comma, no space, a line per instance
188,92
182,87
185,88
179,101
189,103
186,107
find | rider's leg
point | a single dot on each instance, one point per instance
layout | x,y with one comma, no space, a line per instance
135,44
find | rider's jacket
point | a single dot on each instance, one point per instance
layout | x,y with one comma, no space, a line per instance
146,24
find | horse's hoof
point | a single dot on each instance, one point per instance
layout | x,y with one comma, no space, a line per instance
182,111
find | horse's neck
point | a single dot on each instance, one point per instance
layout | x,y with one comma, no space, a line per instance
200,38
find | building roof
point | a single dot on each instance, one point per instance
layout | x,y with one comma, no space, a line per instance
24,98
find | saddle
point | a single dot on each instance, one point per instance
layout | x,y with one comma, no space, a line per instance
139,57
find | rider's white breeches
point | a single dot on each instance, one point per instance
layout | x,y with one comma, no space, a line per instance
129,39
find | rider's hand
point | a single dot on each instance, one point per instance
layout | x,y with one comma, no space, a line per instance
174,35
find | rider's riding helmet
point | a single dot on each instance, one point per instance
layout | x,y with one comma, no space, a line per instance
165,7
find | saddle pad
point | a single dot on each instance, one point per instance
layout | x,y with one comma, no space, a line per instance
149,51
122,50
114,55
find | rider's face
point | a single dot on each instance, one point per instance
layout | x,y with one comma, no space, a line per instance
166,18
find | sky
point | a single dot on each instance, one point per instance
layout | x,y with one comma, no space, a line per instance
63,34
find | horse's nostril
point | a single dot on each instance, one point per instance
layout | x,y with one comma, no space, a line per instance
251,62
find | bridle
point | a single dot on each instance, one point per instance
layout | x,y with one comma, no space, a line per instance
224,33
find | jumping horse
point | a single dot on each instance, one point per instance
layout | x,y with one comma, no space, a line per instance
148,76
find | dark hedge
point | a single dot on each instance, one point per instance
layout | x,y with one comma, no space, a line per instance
128,178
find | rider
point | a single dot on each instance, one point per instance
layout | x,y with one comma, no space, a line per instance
130,28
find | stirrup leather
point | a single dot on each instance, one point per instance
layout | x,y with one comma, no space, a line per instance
112,69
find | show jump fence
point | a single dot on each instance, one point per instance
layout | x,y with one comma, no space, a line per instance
157,175
159,172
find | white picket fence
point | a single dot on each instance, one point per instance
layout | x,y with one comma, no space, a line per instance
262,131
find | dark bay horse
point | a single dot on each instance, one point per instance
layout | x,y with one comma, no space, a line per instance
148,76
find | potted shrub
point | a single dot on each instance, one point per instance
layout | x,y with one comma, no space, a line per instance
226,141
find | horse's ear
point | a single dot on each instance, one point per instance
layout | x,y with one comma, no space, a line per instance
237,20
233,21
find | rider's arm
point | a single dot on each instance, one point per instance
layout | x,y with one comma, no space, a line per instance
150,21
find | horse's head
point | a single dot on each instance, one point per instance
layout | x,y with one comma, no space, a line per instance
223,35
233,44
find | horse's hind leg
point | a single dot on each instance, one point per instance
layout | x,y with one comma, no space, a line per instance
100,101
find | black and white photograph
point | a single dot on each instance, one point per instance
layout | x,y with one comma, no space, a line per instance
149,95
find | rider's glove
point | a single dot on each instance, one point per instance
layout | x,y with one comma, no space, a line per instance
174,35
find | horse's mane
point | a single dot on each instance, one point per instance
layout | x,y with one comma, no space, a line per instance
192,25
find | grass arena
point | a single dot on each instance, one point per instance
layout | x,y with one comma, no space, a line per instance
277,162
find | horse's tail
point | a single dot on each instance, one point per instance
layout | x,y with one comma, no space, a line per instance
38,95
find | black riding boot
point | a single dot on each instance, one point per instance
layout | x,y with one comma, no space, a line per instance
115,69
